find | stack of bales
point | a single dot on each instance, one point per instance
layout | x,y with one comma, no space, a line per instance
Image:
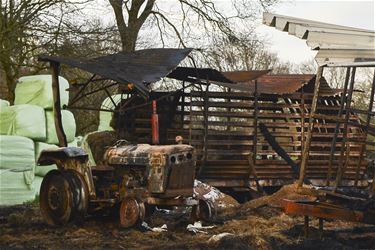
26,129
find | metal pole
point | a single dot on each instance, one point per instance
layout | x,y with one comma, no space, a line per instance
302,120
337,128
341,170
306,148
205,138
154,124
255,123
57,104
363,146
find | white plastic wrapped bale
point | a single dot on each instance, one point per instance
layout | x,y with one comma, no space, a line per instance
106,117
37,183
39,147
69,125
37,90
24,120
4,103
16,187
16,153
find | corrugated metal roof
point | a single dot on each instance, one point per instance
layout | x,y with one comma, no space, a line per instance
244,76
284,84
334,43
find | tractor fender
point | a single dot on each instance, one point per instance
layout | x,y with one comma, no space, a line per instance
61,155
69,158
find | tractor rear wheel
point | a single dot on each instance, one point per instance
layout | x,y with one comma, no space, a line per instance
56,198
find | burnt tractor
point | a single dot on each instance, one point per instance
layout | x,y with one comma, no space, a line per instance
133,178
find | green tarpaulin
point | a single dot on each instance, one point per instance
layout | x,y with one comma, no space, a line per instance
69,125
24,120
16,153
37,90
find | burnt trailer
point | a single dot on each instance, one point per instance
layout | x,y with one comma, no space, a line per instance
251,132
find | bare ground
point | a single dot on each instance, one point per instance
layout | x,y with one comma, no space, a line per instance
258,224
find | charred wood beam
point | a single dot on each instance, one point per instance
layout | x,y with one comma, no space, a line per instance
341,167
57,104
333,147
280,151
369,114
306,147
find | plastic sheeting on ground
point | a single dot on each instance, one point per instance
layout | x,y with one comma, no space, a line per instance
4,103
24,120
69,125
37,90
106,117
16,187
39,147
16,153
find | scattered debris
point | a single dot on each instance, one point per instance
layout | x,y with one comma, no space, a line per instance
163,228
197,227
219,200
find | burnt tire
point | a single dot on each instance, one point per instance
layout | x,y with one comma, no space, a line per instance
131,212
80,195
56,198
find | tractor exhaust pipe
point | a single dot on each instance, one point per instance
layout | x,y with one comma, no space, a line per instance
154,124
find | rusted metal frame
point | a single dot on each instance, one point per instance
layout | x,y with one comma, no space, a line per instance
149,102
91,92
190,118
110,97
302,119
337,128
341,168
306,148
326,211
255,121
205,117
183,104
55,67
371,104
93,109
82,89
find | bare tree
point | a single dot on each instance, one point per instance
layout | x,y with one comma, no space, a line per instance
32,27
203,15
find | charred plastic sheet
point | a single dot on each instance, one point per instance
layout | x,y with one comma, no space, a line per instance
140,67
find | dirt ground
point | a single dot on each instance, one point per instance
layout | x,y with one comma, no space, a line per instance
258,224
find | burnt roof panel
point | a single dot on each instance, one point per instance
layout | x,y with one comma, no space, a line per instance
138,67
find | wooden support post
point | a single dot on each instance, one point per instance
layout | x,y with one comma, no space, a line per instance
368,119
341,170
306,147
337,127
306,226
57,104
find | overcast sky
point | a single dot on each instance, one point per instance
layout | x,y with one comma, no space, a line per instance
359,14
